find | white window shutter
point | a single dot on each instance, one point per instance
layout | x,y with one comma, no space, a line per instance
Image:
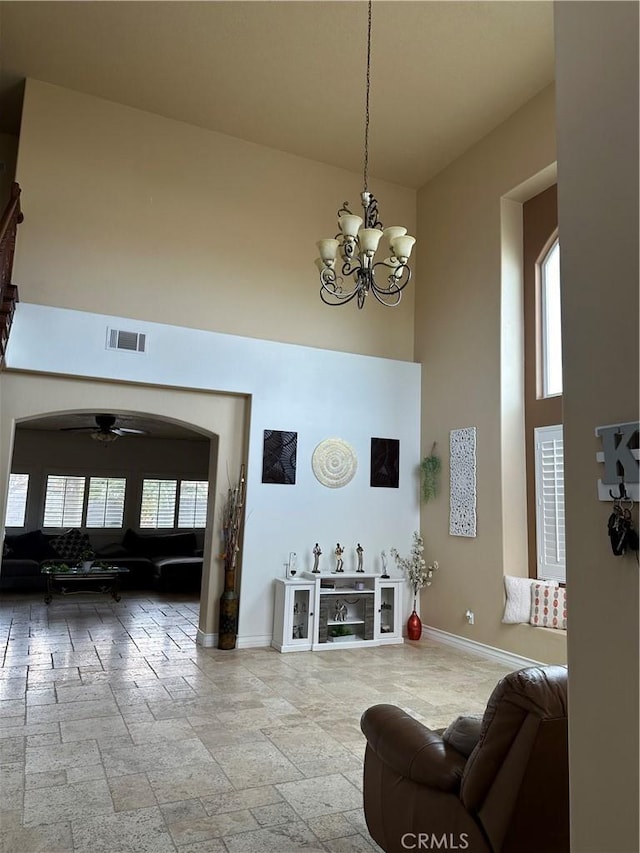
17,500
192,509
550,532
105,506
158,507
63,501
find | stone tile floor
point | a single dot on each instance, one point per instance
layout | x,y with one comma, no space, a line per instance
119,735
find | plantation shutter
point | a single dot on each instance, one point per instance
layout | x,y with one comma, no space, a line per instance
17,500
105,506
158,507
550,533
192,509
63,501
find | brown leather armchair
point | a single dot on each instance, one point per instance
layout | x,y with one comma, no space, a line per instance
510,795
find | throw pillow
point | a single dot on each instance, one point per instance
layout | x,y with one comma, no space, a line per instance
463,733
6,549
548,606
74,546
33,545
518,605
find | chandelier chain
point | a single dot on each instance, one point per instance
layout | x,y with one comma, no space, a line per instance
366,111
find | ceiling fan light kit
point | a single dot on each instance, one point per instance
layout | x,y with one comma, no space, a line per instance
358,240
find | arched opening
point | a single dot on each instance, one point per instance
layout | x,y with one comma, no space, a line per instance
50,438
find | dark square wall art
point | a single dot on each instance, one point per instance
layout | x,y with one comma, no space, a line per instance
279,457
385,462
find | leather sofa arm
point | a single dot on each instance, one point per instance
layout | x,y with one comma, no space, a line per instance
411,749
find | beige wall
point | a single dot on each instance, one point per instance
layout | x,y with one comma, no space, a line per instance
597,74
136,215
25,396
468,329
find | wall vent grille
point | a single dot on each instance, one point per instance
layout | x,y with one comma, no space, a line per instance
126,341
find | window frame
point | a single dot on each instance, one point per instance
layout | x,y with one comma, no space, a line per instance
88,475
542,347
179,479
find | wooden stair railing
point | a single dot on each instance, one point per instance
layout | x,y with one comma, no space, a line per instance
11,218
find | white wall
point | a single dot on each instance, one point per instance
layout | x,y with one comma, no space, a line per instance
320,394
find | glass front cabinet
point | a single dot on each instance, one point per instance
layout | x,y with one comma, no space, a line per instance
293,621
320,612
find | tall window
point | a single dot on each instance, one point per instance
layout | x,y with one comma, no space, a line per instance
162,500
550,325
544,448
17,500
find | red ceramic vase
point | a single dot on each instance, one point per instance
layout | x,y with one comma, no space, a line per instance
414,627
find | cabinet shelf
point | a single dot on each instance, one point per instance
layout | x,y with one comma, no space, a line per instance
346,591
345,622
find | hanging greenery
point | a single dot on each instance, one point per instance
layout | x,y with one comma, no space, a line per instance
430,470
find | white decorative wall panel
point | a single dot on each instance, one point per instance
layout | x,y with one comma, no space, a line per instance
462,499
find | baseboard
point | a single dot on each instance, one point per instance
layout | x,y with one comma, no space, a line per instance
255,642
207,641
465,645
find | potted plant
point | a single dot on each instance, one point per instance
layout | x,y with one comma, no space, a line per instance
340,633
419,575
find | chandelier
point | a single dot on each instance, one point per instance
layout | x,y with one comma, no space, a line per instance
357,273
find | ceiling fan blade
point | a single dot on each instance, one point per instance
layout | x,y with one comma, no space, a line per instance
74,429
125,431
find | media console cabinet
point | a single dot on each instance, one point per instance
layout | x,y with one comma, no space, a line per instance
315,612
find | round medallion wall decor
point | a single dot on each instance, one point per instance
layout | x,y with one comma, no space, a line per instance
334,463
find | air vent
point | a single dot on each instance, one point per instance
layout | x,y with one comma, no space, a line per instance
126,341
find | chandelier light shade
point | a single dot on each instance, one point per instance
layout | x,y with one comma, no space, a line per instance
347,264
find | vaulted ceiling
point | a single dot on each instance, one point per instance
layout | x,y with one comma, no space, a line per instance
291,75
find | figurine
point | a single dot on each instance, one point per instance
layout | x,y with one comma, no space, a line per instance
383,556
340,612
339,561
359,552
316,558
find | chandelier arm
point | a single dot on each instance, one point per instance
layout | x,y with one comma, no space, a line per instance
387,303
395,287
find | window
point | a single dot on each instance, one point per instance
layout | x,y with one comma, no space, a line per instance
160,501
64,501
550,325
17,500
192,511
105,505
158,505
549,465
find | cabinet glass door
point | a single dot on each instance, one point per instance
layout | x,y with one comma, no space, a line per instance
389,615
300,623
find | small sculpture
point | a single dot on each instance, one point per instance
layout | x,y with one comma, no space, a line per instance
383,557
316,558
359,552
340,612
339,561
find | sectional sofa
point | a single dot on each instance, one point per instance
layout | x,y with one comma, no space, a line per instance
165,561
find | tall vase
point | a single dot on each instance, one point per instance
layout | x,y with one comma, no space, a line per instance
414,625
228,623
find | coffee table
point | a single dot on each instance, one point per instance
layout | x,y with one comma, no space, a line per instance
71,581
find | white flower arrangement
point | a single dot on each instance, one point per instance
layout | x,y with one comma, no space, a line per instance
415,567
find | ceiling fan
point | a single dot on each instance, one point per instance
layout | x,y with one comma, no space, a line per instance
105,429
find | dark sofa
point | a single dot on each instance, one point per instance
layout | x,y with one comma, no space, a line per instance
166,561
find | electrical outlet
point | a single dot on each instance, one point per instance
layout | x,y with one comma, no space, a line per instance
470,617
